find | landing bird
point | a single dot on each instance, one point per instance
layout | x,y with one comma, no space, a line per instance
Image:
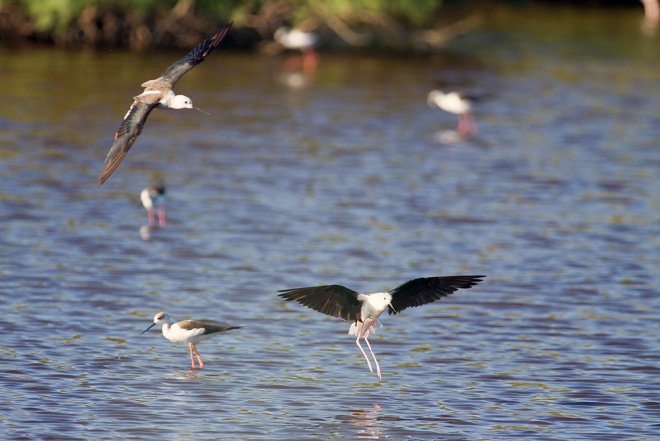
295,39
188,331
364,309
154,197
157,93
458,104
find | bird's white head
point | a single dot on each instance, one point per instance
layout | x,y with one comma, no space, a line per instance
433,97
180,102
281,33
161,317
379,301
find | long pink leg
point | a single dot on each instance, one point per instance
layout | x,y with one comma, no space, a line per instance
310,60
466,124
472,125
199,357
192,359
357,341
460,128
161,215
150,215
366,339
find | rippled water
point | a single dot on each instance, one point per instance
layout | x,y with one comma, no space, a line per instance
347,178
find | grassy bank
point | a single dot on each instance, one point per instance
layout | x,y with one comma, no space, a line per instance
144,24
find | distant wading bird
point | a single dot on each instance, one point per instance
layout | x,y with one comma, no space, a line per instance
458,104
295,39
188,331
157,93
154,197
364,309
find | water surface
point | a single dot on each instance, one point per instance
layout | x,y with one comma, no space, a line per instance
345,178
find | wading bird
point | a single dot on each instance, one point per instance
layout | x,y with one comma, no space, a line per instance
188,331
157,93
154,197
458,104
364,309
295,39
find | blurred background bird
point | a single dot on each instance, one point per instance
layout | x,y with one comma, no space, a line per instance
154,197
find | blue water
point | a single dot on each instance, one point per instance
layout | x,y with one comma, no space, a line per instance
346,178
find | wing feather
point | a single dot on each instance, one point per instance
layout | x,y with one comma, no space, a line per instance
425,290
136,116
333,300
194,57
128,131
209,326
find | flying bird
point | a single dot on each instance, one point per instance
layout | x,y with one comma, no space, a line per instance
458,104
364,309
154,197
188,331
157,93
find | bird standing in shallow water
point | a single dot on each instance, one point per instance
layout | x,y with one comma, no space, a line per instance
154,197
295,39
157,93
364,309
458,104
188,331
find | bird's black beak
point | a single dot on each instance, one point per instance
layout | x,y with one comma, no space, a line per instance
392,307
152,325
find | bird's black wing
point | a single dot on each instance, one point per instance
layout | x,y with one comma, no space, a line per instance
194,57
209,326
125,136
419,292
334,300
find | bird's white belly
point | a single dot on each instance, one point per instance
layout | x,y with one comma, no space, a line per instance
178,335
355,327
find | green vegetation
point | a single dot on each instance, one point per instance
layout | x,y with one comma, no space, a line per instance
141,24
133,22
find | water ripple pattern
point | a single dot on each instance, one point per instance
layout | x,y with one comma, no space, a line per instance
342,179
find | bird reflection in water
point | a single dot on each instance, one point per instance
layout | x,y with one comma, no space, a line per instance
367,423
294,79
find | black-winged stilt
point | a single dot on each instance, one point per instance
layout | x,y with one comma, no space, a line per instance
458,104
364,309
188,331
157,93
154,197
295,39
